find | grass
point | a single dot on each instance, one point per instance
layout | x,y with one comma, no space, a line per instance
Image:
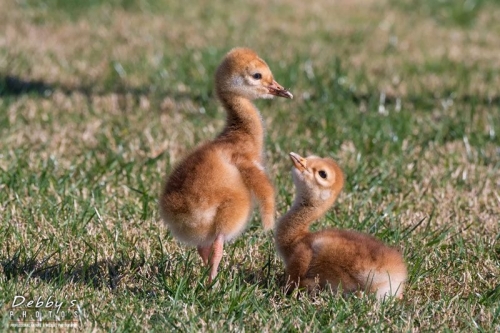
100,100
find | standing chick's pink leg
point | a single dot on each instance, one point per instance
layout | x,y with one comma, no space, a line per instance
216,256
204,252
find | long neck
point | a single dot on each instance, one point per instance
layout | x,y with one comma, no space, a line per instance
242,118
294,225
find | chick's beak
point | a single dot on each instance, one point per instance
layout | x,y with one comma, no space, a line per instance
277,90
299,162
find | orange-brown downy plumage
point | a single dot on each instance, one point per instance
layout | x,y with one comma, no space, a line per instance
343,259
207,200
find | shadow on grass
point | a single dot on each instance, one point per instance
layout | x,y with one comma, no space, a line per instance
262,278
122,272
269,275
100,274
14,86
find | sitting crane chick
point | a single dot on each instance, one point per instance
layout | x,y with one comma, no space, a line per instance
207,200
344,259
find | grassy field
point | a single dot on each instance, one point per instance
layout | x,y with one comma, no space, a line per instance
99,100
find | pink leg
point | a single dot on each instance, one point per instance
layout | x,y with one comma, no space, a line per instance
216,256
204,252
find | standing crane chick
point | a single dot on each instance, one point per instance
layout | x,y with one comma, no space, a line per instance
207,200
343,259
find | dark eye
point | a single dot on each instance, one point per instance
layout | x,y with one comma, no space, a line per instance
322,174
257,76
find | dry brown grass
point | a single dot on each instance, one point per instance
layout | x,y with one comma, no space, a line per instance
372,37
